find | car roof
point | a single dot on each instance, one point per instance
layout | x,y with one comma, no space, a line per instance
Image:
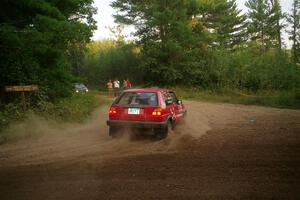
154,89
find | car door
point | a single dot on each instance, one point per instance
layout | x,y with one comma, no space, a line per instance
169,106
177,107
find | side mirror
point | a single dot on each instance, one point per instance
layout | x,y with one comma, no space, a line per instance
179,102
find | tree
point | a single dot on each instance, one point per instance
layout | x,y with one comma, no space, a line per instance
108,59
162,29
276,26
264,22
37,40
294,20
194,42
228,23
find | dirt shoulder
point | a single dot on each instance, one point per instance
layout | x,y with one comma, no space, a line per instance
224,151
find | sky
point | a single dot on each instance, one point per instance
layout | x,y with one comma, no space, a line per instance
104,18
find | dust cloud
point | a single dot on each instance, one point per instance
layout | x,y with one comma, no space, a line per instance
55,142
218,142
51,141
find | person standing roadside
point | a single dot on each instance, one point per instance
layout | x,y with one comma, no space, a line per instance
116,87
125,85
128,83
110,88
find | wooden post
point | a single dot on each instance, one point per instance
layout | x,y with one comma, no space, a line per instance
22,89
23,101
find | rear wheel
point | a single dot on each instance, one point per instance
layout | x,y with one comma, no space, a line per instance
114,131
162,132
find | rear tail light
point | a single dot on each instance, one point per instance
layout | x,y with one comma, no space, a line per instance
112,110
157,112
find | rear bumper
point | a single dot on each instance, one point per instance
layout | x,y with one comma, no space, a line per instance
136,124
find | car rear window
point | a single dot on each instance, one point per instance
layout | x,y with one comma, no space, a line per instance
138,99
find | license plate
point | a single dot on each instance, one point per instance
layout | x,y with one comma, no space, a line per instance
133,111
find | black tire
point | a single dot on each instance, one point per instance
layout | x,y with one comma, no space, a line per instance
162,132
114,131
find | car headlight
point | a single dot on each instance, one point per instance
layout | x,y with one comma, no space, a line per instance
77,91
87,90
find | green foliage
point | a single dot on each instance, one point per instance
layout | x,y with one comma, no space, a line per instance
223,21
264,22
10,112
109,60
175,36
249,70
163,30
294,20
279,99
37,40
197,43
76,108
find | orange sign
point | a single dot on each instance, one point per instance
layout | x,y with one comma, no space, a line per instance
21,88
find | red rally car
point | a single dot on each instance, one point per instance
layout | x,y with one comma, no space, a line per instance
153,108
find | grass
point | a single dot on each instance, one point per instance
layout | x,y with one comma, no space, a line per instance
74,109
278,99
270,98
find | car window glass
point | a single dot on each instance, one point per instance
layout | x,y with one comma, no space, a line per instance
168,99
138,99
124,100
174,98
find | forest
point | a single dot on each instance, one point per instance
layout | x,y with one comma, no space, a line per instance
199,43
207,45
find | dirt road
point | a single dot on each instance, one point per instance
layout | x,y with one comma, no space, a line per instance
223,152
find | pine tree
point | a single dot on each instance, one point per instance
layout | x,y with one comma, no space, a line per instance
258,24
219,23
201,24
275,24
162,29
229,24
39,40
294,20
264,22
